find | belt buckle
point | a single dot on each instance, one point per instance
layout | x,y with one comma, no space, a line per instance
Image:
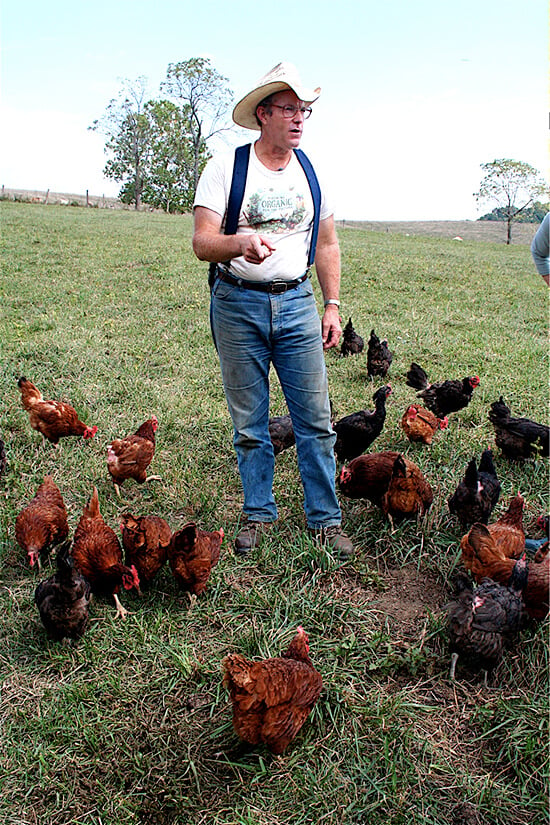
278,287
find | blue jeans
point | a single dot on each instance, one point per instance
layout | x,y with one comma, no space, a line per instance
251,331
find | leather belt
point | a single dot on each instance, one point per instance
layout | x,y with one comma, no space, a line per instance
275,287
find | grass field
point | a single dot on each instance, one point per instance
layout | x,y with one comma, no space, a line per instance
110,311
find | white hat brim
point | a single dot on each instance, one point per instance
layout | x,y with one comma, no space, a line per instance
244,113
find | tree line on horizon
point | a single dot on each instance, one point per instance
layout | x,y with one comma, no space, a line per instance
158,148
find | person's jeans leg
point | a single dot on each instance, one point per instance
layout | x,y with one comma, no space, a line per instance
241,326
299,360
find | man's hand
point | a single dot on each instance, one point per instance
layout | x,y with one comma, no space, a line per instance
331,327
255,248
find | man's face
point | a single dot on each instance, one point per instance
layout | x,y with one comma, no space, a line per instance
283,131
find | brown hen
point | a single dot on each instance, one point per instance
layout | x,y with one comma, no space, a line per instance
98,555
192,555
42,523
130,457
53,419
409,494
272,698
145,540
420,425
485,558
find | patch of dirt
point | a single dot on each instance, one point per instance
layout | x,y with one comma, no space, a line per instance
404,597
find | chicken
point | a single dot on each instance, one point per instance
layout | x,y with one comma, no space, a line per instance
63,599
145,540
485,558
485,619
97,554
129,457
281,433
420,424
409,493
518,438
53,419
272,698
443,398
368,476
192,555
352,343
42,523
477,494
357,431
379,357
388,480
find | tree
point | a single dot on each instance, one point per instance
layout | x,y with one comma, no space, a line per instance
169,177
204,99
127,129
513,185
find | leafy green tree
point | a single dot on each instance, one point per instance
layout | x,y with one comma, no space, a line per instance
126,127
513,185
204,99
169,176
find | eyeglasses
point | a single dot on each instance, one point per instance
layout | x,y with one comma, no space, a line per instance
291,111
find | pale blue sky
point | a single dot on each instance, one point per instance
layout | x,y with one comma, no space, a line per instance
415,95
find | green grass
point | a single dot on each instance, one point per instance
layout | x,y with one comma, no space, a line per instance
110,311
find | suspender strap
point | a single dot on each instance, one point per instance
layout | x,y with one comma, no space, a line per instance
309,172
236,193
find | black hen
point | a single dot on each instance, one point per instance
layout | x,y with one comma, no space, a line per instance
477,494
379,357
352,343
281,433
483,620
63,599
356,432
446,396
518,437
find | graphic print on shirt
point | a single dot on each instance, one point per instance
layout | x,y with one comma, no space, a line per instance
273,211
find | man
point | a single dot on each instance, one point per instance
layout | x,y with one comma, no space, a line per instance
263,309
540,249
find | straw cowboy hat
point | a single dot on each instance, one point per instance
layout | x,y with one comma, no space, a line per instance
282,76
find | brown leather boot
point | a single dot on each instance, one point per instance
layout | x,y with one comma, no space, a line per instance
250,536
334,539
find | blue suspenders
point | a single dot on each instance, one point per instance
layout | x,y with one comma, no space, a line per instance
236,195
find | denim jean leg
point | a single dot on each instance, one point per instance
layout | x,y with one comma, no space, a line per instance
299,360
241,326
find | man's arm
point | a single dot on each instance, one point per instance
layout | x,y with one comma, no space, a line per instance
327,265
209,244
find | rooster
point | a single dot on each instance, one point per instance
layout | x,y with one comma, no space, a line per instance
485,558
379,357
97,554
192,555
281,433
445,397
53,419
352,343
409,494
130,457
485,619
518,438
145,540
272,698
357,431
477,494
63,599
420,425
42,523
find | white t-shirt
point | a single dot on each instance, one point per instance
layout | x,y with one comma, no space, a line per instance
275,204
